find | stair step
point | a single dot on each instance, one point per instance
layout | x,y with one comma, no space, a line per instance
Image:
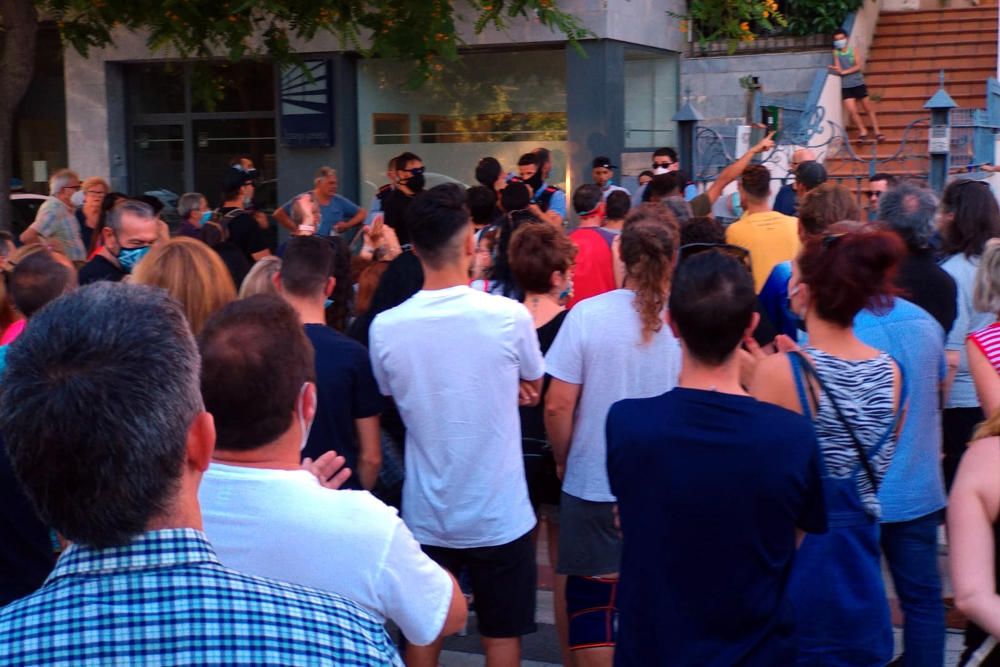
889,89
888,67
943,55
918,17
985,23
955,32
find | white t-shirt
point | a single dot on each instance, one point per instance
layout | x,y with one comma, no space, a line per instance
600,347
283,525
452,359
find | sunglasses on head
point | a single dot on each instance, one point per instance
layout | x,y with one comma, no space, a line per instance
737,252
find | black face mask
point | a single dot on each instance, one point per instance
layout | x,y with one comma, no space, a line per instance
535,182
415,182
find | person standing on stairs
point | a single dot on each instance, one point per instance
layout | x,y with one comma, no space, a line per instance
847,65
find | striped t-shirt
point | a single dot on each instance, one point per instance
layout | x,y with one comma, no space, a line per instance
988,342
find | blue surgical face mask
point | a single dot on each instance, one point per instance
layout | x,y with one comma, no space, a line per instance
205,217
129,257
567,291
840,43
327,303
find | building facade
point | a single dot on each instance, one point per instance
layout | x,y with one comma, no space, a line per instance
136,117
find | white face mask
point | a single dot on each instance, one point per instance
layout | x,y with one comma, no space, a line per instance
661,170
840,43
303,427
77,198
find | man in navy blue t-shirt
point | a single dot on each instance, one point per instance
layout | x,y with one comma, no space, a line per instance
713,489
348,402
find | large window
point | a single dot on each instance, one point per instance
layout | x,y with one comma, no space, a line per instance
651,84
185,125
502,105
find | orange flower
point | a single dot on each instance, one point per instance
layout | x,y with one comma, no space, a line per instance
745,27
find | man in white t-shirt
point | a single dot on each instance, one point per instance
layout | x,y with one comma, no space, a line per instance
267,516
458,362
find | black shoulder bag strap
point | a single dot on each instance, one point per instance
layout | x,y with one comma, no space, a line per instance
810,371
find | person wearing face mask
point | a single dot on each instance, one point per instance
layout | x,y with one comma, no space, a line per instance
258,380
664,162
348,398
242,229
409,183
131,229
541,259
193,211
855,394
55,219
848,65
548,202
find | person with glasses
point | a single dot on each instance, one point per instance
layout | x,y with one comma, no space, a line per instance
710,480
967,219
91,193
664,161
855,395
409,183
55,219
878,185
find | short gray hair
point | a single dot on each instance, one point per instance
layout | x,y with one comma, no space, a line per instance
132,206
189,201
986,294
909,210
60,179
324,172
114,354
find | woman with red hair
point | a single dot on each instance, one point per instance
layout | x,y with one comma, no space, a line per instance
854,395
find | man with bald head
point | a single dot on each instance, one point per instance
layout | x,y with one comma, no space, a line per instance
786,201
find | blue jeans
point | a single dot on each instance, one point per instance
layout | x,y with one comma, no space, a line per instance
910,547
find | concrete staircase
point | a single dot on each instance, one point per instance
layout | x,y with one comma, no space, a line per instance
908,51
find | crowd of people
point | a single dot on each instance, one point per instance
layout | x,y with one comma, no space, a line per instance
222,450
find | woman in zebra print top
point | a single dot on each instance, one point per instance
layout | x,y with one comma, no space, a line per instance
853,393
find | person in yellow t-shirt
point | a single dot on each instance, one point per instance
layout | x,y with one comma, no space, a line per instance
771,237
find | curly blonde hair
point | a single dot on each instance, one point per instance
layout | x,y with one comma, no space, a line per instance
649,250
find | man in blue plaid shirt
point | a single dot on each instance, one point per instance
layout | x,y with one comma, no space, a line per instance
103,420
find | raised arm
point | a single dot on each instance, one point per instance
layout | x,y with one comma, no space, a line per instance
733,171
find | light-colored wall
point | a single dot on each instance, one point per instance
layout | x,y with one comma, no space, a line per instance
715,82
865,21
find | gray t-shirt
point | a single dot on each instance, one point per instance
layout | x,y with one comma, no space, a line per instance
968,319
846,60
600,346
